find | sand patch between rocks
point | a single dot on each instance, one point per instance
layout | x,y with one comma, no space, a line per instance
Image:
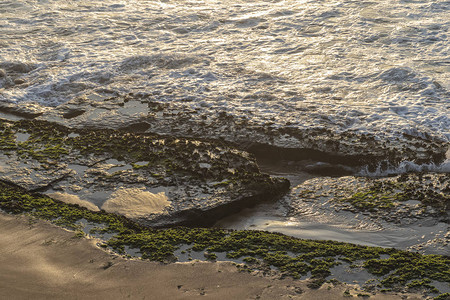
73,199
136,202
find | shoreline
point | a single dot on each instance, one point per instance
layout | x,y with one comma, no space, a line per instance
72,162
225,150
48,261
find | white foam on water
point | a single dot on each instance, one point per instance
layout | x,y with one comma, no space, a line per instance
405,167
370,67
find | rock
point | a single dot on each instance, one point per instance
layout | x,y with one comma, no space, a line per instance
135,203
157,181
17,67
25,110
403,198
73,199
140,113
19,81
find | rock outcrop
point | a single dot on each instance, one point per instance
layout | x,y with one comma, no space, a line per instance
155,180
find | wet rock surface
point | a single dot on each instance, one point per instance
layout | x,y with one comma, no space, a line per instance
162,181
402,199
178,181
141,113
417,204
12,111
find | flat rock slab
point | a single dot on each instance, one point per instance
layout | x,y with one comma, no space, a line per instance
142,113
158,181
415,203
402,199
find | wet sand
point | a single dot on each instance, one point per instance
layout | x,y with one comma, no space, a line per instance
41,261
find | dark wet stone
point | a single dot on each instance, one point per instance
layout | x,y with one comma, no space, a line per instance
157,181
73,113
17,67
293,143
26,110
19,81
403,199
137,127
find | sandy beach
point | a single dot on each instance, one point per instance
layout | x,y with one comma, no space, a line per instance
42,261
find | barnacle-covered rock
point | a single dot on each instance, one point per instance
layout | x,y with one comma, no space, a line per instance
296,141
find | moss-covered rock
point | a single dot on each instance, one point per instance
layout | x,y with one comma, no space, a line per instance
405,198
169,180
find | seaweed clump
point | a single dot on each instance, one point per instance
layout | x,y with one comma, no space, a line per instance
386,194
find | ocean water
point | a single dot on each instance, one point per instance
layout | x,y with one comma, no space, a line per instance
379,67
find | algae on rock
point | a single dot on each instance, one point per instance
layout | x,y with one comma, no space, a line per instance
201,180
404,198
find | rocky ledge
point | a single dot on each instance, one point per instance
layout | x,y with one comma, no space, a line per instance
404,199
155,180
141,113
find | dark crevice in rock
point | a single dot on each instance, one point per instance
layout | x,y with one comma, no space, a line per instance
73,113
265,151
141,113
137,127
330,164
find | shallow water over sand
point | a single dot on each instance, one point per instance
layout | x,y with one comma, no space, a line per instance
328,227
321,221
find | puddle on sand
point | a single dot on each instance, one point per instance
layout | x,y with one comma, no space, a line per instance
184,254
134,252
272,217
87,226
351,275
330,225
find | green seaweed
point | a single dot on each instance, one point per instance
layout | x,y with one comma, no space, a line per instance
50,143
444,296
292,256
386,194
